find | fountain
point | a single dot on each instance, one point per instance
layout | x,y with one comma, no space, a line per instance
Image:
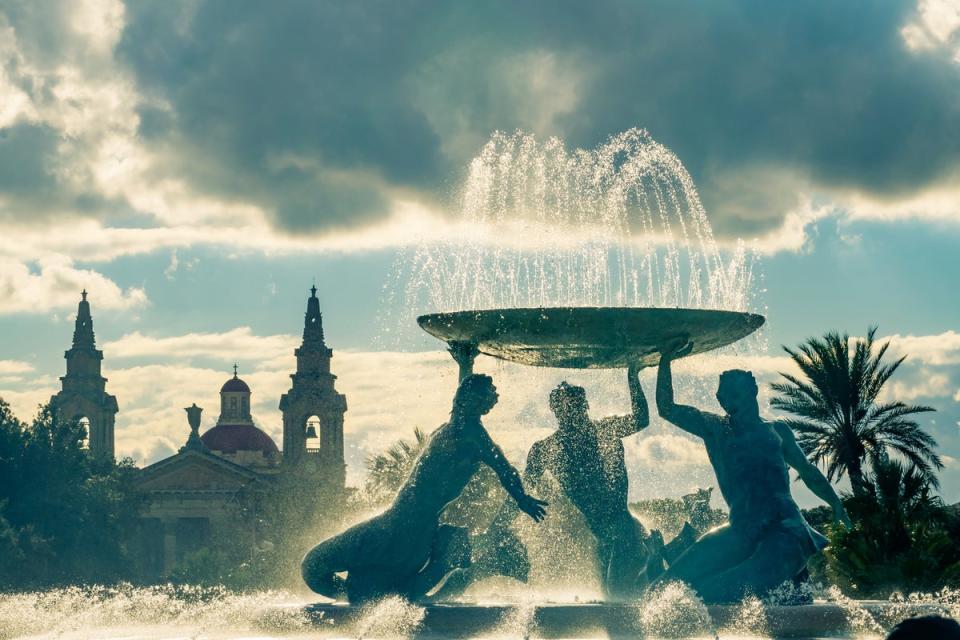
584,299
597,260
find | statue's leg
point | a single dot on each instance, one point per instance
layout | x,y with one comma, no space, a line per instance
497,552
780,555
624,561
502,553
713,553
457,581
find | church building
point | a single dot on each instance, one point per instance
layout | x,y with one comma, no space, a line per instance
194,497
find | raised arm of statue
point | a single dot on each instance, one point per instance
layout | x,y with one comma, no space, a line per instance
808,472
463,353
691,420
639,417
493,457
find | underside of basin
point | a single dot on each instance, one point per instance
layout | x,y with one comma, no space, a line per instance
589,337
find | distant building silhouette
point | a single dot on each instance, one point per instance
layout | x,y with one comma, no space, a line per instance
195,497
83,395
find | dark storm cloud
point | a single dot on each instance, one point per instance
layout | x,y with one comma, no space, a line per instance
29,177
317,109
299,105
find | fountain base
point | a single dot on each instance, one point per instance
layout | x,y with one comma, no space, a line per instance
599,620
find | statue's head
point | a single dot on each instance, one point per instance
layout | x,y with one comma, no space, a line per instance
476,395
568,401
737,392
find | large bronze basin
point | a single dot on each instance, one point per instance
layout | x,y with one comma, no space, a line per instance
588,337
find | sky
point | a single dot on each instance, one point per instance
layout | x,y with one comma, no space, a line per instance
196,166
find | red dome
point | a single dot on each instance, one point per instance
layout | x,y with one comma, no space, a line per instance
235,384
230,438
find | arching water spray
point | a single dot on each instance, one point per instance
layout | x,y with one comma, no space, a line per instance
541,226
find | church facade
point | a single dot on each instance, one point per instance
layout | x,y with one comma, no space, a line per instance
202,493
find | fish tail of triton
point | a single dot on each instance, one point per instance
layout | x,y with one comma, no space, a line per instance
320,574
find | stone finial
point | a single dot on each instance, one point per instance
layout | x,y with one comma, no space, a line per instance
193,418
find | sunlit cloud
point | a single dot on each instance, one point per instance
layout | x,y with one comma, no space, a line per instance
225,346
13,367
941,349
56,284
924,384
936,25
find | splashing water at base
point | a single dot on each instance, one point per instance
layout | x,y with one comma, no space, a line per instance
749,620
673,611
859,620
391,617
160,611
519,623
166,612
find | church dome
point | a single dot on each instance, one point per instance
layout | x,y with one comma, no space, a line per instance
231,438
235,384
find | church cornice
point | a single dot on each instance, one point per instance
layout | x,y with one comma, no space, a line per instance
184,456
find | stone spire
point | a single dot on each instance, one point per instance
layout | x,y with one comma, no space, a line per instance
313,321
83,327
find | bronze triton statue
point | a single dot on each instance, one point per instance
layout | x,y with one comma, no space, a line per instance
766,541
586,458
405,550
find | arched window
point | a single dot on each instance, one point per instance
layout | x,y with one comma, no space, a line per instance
312,432
85,425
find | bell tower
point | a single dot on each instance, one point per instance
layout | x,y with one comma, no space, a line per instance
83,393
313,395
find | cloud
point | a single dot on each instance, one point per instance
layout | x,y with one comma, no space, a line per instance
9,367
934,28
26,394
776,106
311,127
922,384
56,285
227,346
13,371
938,350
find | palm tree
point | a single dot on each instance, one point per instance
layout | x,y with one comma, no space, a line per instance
387,471
838,418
